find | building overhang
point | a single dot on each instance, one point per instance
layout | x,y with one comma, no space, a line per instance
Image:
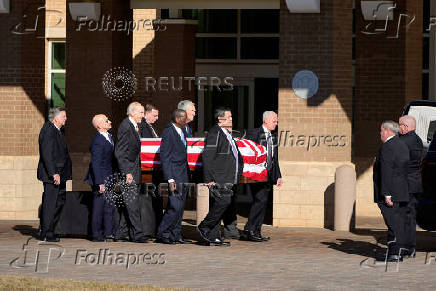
205,4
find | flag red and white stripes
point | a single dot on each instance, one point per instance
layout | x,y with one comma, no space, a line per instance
254,155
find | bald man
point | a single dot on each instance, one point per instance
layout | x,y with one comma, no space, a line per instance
102,158
414,144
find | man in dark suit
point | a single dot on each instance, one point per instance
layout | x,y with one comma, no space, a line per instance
150,117
222,170
54,169
262,190
127,153
173,156
414,143
189,107
391,188
151,202
100,168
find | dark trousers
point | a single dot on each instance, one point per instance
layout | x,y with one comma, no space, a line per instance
395,219
411,221
171,225
220,201
260,192
128,219
53,200
102,221
148,217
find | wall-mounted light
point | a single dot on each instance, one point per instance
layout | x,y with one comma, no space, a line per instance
4,6
304,6
85,10
377,10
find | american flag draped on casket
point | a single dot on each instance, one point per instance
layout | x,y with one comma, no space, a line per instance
254,155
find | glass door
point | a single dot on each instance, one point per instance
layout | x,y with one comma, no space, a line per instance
240,100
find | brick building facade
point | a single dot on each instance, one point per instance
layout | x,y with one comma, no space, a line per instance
359,86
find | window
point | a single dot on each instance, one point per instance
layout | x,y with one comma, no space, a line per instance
57,74
247,34
216,48
259,48
260,21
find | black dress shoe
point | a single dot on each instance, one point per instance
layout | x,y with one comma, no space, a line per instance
251,236
52,239
203,233
164,240
219,243
183,241
394,258
141,240
121,239
264,238
109,238
98,239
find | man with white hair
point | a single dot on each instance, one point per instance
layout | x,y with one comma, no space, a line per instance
100,168
414,143
54,169
127,153
262,190
189,107
391,188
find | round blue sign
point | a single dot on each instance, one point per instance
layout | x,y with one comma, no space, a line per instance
305,84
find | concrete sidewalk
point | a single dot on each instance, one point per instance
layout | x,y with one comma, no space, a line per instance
295,258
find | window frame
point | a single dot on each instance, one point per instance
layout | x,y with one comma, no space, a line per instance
50,70
238,35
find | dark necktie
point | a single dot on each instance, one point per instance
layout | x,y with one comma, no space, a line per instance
269,145
153,131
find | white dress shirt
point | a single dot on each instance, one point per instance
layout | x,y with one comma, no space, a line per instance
106,136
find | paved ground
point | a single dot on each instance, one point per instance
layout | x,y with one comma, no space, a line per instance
295,258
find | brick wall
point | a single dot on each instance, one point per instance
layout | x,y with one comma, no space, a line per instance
89,55
22,64
388,74
143,48
174,55
320,43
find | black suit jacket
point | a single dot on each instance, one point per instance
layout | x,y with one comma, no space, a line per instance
414,143
390,171
173,155
258,136
219,164
54,157
102,159
128,149
145,129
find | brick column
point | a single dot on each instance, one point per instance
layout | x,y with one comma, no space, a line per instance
89,55
174,56
315,134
